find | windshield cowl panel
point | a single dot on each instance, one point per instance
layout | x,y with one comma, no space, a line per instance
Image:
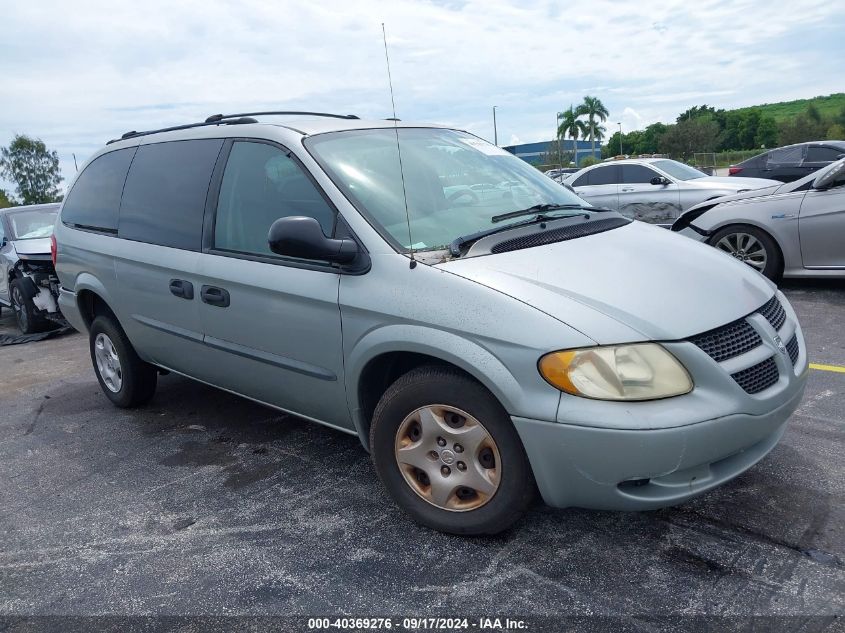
454,183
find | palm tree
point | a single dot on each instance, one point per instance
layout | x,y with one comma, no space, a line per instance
593,109
570,125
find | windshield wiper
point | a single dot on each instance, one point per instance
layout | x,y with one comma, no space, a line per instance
538,211
539,208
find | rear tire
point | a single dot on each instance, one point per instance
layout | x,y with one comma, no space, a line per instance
26,314
479,483
126,380
749,244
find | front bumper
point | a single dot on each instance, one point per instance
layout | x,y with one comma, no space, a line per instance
613,469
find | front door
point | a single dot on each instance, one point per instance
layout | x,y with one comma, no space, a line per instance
274,322
641,200
599,186
821,224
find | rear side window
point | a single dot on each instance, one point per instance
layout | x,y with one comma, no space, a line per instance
604,175
262,183
633,174
94,200
164,197
582,180
817,154
786,155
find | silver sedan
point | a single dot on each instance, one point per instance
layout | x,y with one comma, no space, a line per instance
795,229
654,190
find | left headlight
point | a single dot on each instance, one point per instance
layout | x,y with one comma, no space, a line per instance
640,371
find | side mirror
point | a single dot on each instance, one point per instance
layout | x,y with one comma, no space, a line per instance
834,175
659,180
299,236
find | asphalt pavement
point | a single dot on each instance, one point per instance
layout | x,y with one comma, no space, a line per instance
203,503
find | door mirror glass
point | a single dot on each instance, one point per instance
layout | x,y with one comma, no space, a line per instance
831,177
659,180
302,237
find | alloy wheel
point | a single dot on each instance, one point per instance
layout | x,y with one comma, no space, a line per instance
746,248
108,362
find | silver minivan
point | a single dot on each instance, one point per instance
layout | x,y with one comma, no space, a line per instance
483,331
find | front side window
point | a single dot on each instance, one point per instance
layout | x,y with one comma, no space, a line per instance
637,174
28,225
678,171
454,183
786,155
262,183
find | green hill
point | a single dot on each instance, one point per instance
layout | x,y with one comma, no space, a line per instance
828,106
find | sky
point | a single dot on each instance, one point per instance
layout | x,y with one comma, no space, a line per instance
77,73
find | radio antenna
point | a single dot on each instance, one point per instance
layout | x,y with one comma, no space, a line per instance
398,149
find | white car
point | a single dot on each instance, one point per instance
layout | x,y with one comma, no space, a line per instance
655,190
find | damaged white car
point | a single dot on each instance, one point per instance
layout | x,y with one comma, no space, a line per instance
28,282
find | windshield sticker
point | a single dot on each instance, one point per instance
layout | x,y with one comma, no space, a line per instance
484,147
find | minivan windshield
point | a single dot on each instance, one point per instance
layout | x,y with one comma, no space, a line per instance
455,183
27,225
678,171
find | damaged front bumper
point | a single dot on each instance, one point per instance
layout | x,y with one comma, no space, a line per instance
41,285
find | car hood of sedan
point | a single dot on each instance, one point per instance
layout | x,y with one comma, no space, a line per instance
751,193
634,283
732,182
36,246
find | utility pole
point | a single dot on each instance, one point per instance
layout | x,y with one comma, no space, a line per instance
495,130
620,137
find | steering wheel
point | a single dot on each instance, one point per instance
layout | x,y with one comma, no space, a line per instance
468,195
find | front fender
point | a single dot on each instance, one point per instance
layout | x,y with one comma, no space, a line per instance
462,352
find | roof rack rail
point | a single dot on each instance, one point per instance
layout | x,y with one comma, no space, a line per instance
187,126
220,117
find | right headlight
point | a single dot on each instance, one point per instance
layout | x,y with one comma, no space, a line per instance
639,371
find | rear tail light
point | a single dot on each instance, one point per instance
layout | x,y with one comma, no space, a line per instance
733,171
53,249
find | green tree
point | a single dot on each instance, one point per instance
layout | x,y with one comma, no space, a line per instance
835,132
5,200
767,133
33,168
573,127
596,114
684,139
651,138
695,112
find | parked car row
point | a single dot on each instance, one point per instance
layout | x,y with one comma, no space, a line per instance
482,346
791,162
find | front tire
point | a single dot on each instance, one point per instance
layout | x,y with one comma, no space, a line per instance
752,246
448,453
125,379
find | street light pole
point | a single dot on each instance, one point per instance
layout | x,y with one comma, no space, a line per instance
620,137
495,130
557,132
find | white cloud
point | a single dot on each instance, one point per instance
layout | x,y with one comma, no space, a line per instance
78,75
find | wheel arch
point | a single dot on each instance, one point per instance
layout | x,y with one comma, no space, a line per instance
92,300
743,223
378,360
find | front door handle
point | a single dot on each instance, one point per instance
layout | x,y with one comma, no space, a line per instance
212,295
182,288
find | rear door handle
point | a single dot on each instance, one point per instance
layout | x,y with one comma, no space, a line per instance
182,288
215,296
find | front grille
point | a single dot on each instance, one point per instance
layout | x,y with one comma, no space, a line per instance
774,313
728,341
559,235
759,377
792,348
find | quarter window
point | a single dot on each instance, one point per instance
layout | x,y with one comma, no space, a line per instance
786,155
164,197
262,183
94,199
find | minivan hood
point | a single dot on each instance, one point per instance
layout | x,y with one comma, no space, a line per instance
733,182
35,246
638,282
